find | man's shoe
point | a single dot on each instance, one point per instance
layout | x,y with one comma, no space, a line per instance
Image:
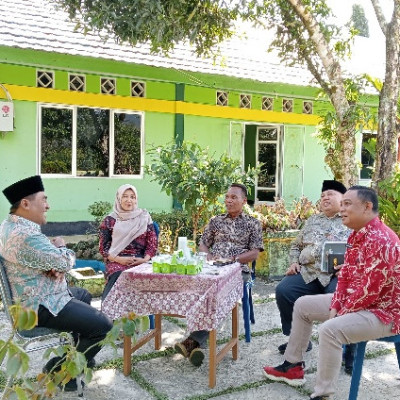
91,363
186,347
319,398
53,365
292,374
71,386
196,357
282,347
348,370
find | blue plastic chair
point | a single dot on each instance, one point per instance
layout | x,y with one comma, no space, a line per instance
247,303
359,359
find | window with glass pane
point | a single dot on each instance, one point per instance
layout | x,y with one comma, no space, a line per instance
268,134
367,158
56,141
267,156
267,149
93,138
127,149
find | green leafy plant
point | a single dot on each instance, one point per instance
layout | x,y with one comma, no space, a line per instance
196,178
172,225
45,386
278,217
99,209
389,200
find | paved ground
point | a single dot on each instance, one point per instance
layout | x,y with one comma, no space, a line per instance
168,376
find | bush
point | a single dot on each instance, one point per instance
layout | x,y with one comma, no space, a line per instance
389,200
87,249
278,217
99,209
172,225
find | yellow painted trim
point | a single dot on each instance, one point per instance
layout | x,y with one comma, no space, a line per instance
165,106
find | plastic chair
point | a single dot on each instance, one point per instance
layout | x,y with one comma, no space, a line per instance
26,338
359,359
247,303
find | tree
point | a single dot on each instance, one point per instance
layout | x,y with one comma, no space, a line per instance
195,178
304,35
359,20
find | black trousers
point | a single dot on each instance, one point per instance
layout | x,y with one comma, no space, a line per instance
290,288
88,325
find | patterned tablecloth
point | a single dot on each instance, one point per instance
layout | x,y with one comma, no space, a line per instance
204,299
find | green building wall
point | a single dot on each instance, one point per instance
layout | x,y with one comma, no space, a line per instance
203,122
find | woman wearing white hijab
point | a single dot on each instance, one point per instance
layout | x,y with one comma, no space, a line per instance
127,236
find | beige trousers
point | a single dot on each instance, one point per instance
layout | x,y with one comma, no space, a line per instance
333,333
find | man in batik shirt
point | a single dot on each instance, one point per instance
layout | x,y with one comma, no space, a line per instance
304,275
36,268
365,305
233,236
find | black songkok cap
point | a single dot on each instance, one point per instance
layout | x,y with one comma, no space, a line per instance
18,190
333,185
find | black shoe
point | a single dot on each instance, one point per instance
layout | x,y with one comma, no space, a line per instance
71,386
91,363
282,347
348,370
196,357
53,365
319,398
186,347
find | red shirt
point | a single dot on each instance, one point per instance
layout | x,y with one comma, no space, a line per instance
370,277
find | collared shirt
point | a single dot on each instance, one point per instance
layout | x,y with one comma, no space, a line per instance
27,255
306,249
370,277
228,237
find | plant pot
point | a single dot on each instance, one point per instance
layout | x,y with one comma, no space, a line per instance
273,262
88,278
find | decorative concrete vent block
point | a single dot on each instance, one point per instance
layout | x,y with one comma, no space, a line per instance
88,279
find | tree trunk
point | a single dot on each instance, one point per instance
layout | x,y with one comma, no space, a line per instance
386,146
340,160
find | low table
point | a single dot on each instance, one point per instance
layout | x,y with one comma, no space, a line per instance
205,300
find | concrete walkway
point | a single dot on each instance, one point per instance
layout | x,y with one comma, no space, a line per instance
165,375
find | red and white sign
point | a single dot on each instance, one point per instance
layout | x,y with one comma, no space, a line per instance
6,116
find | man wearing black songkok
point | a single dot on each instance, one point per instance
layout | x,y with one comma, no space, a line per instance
36,268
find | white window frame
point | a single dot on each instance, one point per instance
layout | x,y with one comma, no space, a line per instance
278,172
73,173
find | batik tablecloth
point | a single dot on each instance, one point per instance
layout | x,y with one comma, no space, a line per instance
204,299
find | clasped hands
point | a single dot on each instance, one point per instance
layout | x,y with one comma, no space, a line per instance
129,260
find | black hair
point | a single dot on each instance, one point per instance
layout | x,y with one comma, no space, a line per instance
14,207
366,194
242,187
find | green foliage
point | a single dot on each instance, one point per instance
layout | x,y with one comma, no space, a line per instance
74,363
172,225
99,209
360,21
162,22
195,178
87,249
389,200
278,217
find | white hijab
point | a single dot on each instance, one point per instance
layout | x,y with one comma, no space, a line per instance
128,224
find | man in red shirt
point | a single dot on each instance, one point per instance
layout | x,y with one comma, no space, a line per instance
365,305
